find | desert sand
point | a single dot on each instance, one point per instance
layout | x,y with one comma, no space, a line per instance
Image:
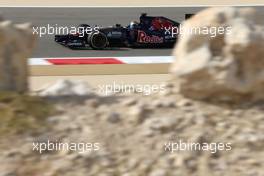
126,3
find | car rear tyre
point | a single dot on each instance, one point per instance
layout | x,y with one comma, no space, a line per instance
98,41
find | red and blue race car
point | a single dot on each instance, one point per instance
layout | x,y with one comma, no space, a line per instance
150,31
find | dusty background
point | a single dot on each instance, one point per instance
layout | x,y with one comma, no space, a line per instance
126,3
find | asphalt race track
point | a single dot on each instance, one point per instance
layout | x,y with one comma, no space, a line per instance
46,46
102,16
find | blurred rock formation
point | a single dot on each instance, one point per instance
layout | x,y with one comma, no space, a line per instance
228,66
16,45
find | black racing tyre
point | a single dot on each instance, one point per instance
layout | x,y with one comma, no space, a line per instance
98,40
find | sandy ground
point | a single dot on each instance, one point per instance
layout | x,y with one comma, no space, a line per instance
95,75
40,82
125,3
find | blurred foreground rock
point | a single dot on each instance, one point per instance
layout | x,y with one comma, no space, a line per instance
67,88
133,136
16,44
226,67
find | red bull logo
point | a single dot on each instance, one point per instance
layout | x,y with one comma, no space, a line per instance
144,38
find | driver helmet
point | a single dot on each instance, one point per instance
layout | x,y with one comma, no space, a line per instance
133,24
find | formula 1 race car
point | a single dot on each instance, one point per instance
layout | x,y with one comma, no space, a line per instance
150,31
